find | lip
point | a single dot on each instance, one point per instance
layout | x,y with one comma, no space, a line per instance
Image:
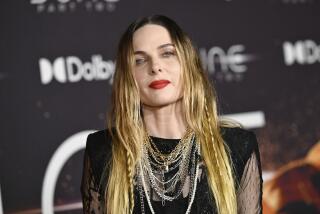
158,84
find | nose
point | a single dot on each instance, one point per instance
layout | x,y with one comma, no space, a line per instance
156,67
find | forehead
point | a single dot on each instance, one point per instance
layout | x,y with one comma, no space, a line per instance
150,36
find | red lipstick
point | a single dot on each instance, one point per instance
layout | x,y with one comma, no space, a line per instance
158,84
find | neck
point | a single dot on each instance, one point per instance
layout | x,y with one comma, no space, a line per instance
165,121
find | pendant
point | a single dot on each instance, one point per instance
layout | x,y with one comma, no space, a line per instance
166,168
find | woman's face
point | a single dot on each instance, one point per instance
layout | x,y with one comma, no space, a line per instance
157,69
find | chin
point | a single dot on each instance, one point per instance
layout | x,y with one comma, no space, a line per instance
162,103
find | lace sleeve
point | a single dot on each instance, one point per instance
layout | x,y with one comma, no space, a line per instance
89,191
250,192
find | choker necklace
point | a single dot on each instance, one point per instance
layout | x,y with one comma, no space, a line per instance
166,174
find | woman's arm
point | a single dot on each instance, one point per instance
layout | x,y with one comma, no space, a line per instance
89,191
250,191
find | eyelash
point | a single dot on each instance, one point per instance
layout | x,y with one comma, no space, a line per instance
168,53
138,61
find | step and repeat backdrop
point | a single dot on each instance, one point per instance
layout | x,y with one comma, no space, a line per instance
57,62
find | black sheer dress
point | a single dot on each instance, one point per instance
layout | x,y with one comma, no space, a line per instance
244,154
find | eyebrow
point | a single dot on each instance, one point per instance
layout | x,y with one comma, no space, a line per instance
160,47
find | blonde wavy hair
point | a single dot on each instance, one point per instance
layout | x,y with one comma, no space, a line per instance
200,112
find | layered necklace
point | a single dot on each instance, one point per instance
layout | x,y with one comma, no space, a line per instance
167,174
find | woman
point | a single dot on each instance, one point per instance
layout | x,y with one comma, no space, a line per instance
165,149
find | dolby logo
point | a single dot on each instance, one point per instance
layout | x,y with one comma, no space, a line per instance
303,52
71,69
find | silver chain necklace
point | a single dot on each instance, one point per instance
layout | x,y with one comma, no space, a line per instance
153,171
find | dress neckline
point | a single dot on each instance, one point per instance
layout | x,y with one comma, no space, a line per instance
165,145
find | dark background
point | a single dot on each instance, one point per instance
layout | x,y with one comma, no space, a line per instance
36,118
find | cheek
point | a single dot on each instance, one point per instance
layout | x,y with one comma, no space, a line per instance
177,75
180,81
140,78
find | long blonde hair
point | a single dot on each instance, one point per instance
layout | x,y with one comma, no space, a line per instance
200,109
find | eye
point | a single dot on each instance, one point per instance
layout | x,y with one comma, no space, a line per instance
168,53
140,61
